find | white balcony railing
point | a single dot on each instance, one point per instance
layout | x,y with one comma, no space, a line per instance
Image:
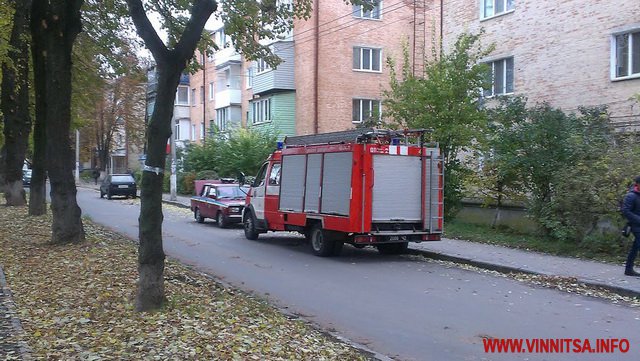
228,97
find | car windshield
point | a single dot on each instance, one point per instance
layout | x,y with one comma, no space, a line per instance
232,192
122,179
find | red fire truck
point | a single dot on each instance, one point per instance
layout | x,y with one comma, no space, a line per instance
363,187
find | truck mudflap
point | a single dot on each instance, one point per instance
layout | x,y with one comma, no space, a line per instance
390,237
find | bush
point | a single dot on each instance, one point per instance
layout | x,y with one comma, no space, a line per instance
206,174
186,183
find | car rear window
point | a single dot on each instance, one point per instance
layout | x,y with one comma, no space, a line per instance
122,178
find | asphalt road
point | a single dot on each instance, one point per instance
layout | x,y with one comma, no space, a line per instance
402,307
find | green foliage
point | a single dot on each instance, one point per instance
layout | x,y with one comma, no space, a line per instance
242,150
446,100
186,183
207,174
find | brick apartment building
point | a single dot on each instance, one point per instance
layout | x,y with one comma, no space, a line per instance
569,53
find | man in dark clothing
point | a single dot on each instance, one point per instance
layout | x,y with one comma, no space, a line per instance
631,211
96,175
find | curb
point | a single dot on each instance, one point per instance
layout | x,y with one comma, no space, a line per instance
510,269
176,203
23,347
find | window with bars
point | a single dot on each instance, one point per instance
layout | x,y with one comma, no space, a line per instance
491,8
374,13
366,109
261,111
501,77
367,58
626,57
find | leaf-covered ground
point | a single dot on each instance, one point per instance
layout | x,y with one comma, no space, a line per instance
76,303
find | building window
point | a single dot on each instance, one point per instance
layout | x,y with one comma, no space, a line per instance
193,97
202,130
177,135
366,58
491,8
202,94
360,12
627,54
182,98
193,132
250,77
262,66
261,111
365,109
222,117
501,77
211,91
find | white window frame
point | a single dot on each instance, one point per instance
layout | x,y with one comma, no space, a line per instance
193,97
262,66
222,118
193,132
373,14
261,111
250,72
180,101
202,130
508,6
365,51
633,54
504,76
359,110
211,90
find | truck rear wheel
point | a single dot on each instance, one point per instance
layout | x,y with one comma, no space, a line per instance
250,231
321,245
393,248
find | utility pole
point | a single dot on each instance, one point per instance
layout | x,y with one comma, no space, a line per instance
173,179
77,155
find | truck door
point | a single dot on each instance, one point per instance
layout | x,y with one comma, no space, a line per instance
258,191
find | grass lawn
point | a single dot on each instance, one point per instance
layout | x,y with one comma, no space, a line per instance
604,248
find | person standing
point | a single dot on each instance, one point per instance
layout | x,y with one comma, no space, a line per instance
631,211
96,175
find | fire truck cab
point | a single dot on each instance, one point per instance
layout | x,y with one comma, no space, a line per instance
362,187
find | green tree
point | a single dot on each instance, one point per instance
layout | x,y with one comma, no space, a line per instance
497,178
445,100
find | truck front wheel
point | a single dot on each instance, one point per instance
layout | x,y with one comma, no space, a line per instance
321,245
199,218
250,231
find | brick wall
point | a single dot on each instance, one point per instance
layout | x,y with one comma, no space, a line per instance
561,49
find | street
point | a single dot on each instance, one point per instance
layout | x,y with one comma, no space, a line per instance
403,307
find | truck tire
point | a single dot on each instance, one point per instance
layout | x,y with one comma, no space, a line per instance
199,218
320,244
250,231
393,248
221,220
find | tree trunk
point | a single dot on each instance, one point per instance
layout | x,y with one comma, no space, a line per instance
61,25
37,191
15,105
170,64
150,294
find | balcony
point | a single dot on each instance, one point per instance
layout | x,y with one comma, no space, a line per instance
225,56
228,97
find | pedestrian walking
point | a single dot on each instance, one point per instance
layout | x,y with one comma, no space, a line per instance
631,211
96,175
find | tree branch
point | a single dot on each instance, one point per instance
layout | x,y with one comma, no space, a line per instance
200,13
146,30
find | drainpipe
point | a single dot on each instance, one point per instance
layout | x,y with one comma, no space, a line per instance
204,94
316,14
441,25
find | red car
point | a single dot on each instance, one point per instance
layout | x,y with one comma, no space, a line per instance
222,202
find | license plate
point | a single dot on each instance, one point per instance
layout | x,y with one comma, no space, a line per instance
394,238
123,186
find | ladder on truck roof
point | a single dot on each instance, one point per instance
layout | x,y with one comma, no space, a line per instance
362,135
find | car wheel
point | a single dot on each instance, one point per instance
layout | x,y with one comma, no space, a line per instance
222,220
393,248
199,218
250,231
320,244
